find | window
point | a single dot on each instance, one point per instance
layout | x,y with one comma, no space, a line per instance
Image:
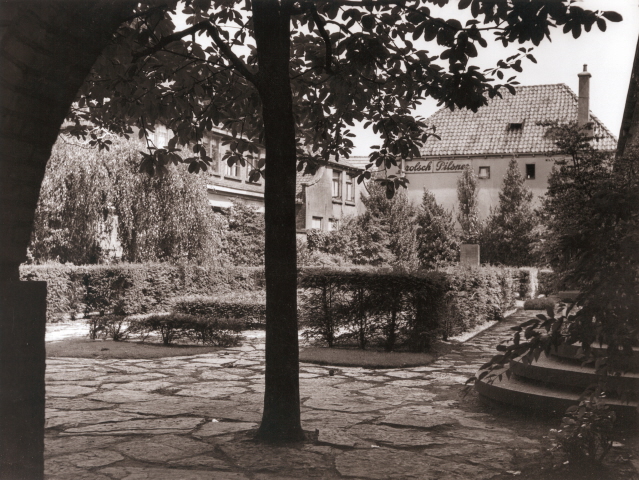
484,172
333,224
350,191
316,224
233,170
251,165
530,171
337,184
212,146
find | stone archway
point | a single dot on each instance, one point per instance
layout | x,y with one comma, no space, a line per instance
46,51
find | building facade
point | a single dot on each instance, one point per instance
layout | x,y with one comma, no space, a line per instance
322,200
486,140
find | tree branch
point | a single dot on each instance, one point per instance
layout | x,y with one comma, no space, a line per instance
174,37
239,65
319,21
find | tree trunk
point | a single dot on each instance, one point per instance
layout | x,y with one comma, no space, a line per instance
46,52
281,417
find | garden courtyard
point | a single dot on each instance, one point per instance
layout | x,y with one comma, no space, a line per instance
193,417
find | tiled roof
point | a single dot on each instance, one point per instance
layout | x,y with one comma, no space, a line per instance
486,132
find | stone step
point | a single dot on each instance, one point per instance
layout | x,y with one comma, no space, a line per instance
575,352
551,370
539,397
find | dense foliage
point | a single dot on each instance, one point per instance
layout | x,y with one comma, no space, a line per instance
510,234
95,203
468,215
250,307
437,239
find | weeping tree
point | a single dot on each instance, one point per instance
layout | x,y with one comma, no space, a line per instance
281,71
90,197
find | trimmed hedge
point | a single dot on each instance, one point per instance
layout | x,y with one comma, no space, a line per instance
250,308
398,309
127,289
478,295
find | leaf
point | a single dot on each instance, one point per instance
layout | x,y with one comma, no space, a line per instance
463,4
612,16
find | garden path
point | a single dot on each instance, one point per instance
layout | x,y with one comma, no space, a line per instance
191,418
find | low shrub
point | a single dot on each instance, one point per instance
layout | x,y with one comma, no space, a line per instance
108,326
541,303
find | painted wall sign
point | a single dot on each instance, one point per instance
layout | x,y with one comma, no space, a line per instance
435,166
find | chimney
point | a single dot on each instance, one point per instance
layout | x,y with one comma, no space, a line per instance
583,115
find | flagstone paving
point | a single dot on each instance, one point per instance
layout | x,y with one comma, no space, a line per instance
192,418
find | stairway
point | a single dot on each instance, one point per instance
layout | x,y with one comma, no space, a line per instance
555,382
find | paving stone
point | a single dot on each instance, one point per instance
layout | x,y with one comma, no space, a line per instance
312,419
71,375
212,389
73,418
157,450
404,373
91,458
148,386
130,379
67,390
176,405
202,461
219,375
62,470
76,404
488,455
143,473
337,437
421,421
345,403
397,437
135,427
382,464
122,395
63,445
268,458
220,428
393,395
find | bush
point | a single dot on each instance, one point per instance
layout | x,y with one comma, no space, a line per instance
399,309
541,303
527,282
129,289
586,431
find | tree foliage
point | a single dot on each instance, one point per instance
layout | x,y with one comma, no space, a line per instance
437,240
468,215
510,234
89,197
349,61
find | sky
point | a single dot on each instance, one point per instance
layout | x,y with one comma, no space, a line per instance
609,56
